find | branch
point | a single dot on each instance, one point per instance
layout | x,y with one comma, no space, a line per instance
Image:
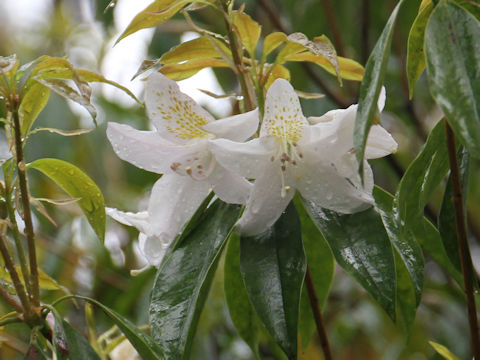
465,258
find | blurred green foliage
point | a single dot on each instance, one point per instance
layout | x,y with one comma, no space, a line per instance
70,252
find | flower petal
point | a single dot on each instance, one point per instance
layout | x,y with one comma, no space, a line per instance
246,159
153,248
336,186
379,143
283,115
381,99
147,149
138,220
230,187
173,201
265,204
237,128
176,116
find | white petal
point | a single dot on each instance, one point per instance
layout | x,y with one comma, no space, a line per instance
283,115
173,201
148,150
379,143
246,159
153,248
138,220
381,99
237,128
331,115
175,115
265,205
230,187
336,187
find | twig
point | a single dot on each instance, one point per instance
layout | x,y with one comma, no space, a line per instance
277,22
10,300
332,23
365,42
22,295
465,258
317,315
237,54
27,217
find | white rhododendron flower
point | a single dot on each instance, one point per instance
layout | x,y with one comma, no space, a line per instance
179,149
315,157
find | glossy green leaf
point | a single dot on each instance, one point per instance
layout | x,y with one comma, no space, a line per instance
371,86
422,177
273,266
446,218
33,102
452,52
241,311
409,262
78,346
78,185
322,266
362,248
415,51
184,278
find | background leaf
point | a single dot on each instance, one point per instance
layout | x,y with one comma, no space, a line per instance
273,266
184,278
78,185
453,66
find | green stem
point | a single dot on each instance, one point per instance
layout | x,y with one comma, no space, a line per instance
465,258
317,315
16,234
237,54
24,195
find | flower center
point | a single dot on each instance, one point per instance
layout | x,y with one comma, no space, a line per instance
198,166
289,155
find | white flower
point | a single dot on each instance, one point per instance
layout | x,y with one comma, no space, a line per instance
291,154
179,149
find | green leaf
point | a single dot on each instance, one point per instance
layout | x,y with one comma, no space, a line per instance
446,218
184,278
371,86
415,51
322,266
78,185
241,311
273,266
362,248
453,67
33,102
442,350
78,346
409,262
7,64
422,177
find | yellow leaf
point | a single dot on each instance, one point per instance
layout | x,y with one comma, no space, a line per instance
248,30
187,69
277,72
273,41
153,15
199,48
288,50
443,351
349,69
423,5
45,282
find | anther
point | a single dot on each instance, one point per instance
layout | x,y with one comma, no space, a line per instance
175,166
188,169
284,168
